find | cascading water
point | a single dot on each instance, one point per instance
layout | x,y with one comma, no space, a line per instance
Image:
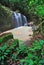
18,20
24,20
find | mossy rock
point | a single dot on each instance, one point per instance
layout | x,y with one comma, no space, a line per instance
5,18
6,37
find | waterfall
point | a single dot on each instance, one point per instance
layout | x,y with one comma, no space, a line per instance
24,20
18,20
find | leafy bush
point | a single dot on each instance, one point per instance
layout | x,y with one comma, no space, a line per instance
30,6
6,51
22,51
14,45
34,55
6,37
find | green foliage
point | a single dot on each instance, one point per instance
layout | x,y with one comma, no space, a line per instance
28,56
40,10
37,46
22,51
41,61
4,52
14,45
14,57
6,37
42,28
7,50
27,5
34,55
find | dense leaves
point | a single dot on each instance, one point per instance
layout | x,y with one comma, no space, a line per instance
7,48
34,55
27,5
12,52
6,37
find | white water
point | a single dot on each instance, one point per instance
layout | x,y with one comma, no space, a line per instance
19,20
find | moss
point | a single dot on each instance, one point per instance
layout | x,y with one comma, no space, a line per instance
5,18
6,37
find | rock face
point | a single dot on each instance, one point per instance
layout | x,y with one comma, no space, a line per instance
22,33
5,18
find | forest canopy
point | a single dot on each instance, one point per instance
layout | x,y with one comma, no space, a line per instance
35,7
